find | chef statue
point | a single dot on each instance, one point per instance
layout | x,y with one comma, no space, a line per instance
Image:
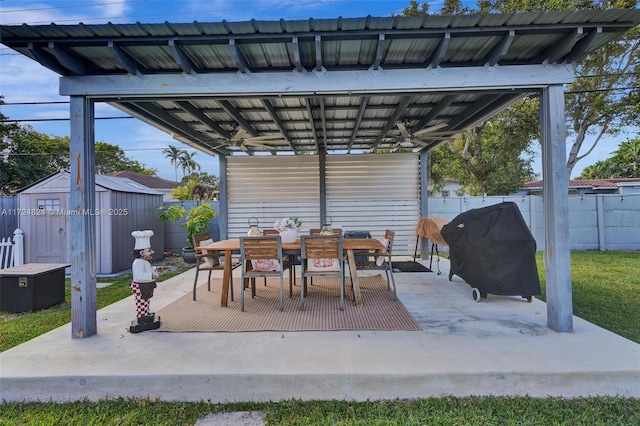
144,276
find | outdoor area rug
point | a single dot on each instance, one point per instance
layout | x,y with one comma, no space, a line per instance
409,266
378,310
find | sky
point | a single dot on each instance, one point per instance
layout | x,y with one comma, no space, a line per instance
26,83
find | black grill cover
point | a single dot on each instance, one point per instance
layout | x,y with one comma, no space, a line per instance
492,249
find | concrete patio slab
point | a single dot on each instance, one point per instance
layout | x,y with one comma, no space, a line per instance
498,346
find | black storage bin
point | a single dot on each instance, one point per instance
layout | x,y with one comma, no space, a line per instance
32,286
358,234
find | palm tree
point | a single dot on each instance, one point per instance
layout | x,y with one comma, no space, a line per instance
187,163
628,155
175,156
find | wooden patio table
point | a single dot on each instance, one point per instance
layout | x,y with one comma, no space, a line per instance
348,244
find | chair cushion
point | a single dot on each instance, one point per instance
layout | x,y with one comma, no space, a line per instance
323,265
265,265
209,261
380,259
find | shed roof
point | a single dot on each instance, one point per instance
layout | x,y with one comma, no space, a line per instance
110,183
319,85
146,180
612,183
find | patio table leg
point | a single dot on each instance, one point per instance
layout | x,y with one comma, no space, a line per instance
226,281
354,277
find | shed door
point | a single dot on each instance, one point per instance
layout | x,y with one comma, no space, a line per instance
48,242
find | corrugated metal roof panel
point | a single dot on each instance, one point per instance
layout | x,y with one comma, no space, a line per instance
124,185
376,44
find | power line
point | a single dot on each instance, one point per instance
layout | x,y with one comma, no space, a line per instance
613,89
36,103
97,152
27,120
77,6
198,12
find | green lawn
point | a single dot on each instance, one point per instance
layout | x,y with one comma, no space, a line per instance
604,288
432,411
18,328
605,285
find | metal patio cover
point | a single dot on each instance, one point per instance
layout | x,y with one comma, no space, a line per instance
318,85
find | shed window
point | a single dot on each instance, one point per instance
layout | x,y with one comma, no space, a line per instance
53,204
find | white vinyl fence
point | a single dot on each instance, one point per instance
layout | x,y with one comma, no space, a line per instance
12,251
596,222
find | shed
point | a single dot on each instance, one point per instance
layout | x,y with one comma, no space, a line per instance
121,206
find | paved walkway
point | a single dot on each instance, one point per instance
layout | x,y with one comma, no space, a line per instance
498,346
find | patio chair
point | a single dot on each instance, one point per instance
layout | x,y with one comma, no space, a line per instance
261,257
288,262
209,260
318,231
322,256
381,261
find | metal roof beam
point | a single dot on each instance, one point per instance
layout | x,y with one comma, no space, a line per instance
233,112
125,59
197,113
440,52
181,58
583,46
238,57
307,102
337,83
358,122
561,49
319,65
295,46
499,50
72,62
151,114
477,112
47,60
393,120
444,103
276,119
378,58
323,120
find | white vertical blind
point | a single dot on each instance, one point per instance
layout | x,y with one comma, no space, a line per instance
373,192
366,192
270,188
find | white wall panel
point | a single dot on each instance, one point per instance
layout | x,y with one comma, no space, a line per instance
364,192
270,188
374,193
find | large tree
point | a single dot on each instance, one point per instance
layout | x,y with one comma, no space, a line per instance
27,156
493,158
112,158
599,103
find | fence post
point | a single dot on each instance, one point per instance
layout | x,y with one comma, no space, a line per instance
602,244
18,247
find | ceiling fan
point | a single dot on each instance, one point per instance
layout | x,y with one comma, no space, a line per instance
268,142
410,140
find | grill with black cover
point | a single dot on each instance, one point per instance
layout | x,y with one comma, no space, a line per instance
493,250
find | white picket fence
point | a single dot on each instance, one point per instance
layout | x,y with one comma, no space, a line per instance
12,251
